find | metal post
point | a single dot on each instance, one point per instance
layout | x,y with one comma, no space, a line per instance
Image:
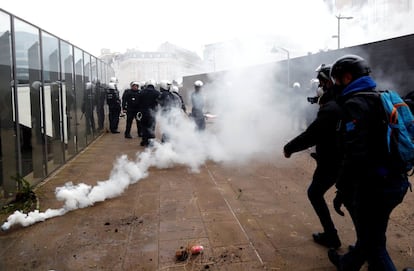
276,49
339,17
339,31
288,65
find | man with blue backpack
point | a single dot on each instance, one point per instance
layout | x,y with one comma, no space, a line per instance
372,182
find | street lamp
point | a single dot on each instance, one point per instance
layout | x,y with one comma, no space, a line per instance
277,49
339,17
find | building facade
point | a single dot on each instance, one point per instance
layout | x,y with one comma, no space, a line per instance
169,62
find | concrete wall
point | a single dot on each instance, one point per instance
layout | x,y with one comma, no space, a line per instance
391,61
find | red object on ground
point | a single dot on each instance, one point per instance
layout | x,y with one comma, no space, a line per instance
196,249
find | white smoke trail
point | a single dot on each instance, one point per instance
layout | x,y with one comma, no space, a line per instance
251,123
82,195
185,148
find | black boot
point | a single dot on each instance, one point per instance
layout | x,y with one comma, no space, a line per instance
327,240
334,257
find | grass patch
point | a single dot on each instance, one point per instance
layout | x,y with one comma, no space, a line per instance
25,199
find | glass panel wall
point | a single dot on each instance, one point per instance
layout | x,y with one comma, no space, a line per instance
68,99
52,101
29,91
8,144
80,92
52,98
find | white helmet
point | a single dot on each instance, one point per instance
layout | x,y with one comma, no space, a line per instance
150,82
198,83
113,80
165,84
134,83
296,85
89,85
111,85
175,89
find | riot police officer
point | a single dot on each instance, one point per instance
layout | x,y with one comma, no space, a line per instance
130,106
321,133
148,105
88,107
197,111
114,105
100,97
169,100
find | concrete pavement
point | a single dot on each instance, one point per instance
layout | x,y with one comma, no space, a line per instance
247,217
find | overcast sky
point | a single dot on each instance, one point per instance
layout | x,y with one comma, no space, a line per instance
300,25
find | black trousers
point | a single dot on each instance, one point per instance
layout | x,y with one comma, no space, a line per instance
101,116
148,122
130,116
114,118
370,209
324,178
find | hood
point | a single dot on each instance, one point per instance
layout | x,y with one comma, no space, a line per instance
363,83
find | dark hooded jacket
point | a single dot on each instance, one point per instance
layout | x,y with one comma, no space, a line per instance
366,160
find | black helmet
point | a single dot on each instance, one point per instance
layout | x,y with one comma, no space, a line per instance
323,72
353,64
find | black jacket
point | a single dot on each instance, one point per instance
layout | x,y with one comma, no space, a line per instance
366,161
168,100
321,133
130,100
148,101
112,98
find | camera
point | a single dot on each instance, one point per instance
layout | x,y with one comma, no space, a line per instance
313,100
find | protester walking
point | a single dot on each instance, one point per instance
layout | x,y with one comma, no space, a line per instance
371,183
321,133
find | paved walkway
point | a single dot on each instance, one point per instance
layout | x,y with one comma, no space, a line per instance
254,217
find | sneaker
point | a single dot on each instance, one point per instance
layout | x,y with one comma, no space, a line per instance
334,257
329,241
128,136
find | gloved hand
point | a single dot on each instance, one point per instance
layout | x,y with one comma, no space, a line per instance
286,153
338,201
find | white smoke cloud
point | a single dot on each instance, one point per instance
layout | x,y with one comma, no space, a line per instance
251,123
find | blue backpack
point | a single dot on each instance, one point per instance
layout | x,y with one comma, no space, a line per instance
400,134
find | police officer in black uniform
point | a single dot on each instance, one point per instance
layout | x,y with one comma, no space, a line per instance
100,96
370,184
88,107
321,133
197,101
175,91
130,105
114,105
169,99
148,105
